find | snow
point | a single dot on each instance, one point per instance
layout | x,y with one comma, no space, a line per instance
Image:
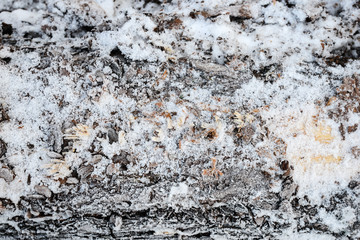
19,16
336,224
107,5
307,154
286,107
307,236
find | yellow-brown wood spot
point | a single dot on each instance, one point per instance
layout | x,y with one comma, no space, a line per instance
323,134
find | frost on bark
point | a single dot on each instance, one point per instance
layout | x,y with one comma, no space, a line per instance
179,120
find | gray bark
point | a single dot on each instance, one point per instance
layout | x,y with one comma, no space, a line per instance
123,205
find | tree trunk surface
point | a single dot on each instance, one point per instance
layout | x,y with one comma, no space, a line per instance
153,120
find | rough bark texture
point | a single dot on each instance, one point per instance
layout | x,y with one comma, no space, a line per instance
234,203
